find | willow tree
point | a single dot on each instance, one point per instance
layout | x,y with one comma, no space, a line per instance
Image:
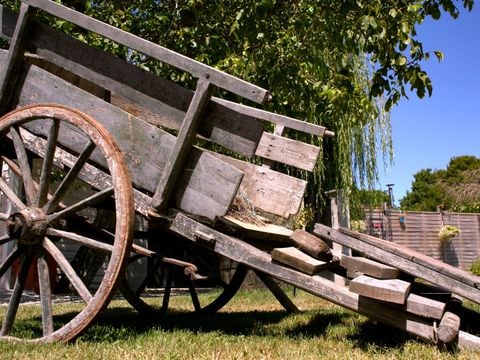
340,64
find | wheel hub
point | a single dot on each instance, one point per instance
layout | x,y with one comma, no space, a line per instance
27,226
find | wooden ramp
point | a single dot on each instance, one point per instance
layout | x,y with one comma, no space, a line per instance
389,300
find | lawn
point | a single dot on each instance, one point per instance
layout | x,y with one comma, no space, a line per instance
251,326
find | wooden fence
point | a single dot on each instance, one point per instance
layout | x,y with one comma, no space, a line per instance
419,231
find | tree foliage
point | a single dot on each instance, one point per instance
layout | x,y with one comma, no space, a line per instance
340,64
456,188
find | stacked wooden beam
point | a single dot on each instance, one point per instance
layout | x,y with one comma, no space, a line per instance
422,307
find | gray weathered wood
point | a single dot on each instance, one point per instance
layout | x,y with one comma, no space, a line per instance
396,256
369,267
271,191
185,139
242,252
288,151
297,259
45,289
197,69
425,307
448,328
11,68
391,290
468,341
311,244
144,146
269,232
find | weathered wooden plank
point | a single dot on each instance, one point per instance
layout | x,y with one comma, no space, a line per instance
11,67
448,328
197,69
425,307
374,251
417,257
242,252
144,146
369,267
265,231
468,341
144,94
391,290
183,144
271,191
297,259
278,119
311,244
287,151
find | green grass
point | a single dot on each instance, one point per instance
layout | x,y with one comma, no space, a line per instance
251,326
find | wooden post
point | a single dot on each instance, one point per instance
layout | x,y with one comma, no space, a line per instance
185,139
9,75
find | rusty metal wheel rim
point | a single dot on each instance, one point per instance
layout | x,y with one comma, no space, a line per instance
35,221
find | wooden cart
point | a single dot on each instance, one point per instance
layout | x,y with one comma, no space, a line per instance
104,184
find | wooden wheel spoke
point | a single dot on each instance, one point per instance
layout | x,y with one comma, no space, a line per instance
24,164
69,178
168,289
194,295
47,164
10,194
45,296
81,204
68,270
7,263
80,239
5,239
16,295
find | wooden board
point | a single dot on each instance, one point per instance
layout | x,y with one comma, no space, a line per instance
297,259
265,231
288,151
425,307
269,190
207,186
434,271
391,290
369,267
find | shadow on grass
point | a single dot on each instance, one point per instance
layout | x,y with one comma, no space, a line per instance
123,324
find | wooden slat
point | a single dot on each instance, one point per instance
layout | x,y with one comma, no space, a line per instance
144,94
144,146
391,290
288,151
183,143
11,67
369,267
271,191
425,307
270,232
197,69
297,259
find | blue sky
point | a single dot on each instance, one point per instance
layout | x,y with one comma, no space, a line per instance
428,132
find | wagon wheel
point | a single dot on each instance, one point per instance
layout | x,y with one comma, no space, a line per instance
49,149
163,270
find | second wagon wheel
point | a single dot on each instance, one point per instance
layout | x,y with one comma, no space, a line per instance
174,263
57,166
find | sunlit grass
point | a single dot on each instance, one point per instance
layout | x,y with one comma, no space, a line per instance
252,326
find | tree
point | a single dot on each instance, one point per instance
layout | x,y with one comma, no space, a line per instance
456,188
340,64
